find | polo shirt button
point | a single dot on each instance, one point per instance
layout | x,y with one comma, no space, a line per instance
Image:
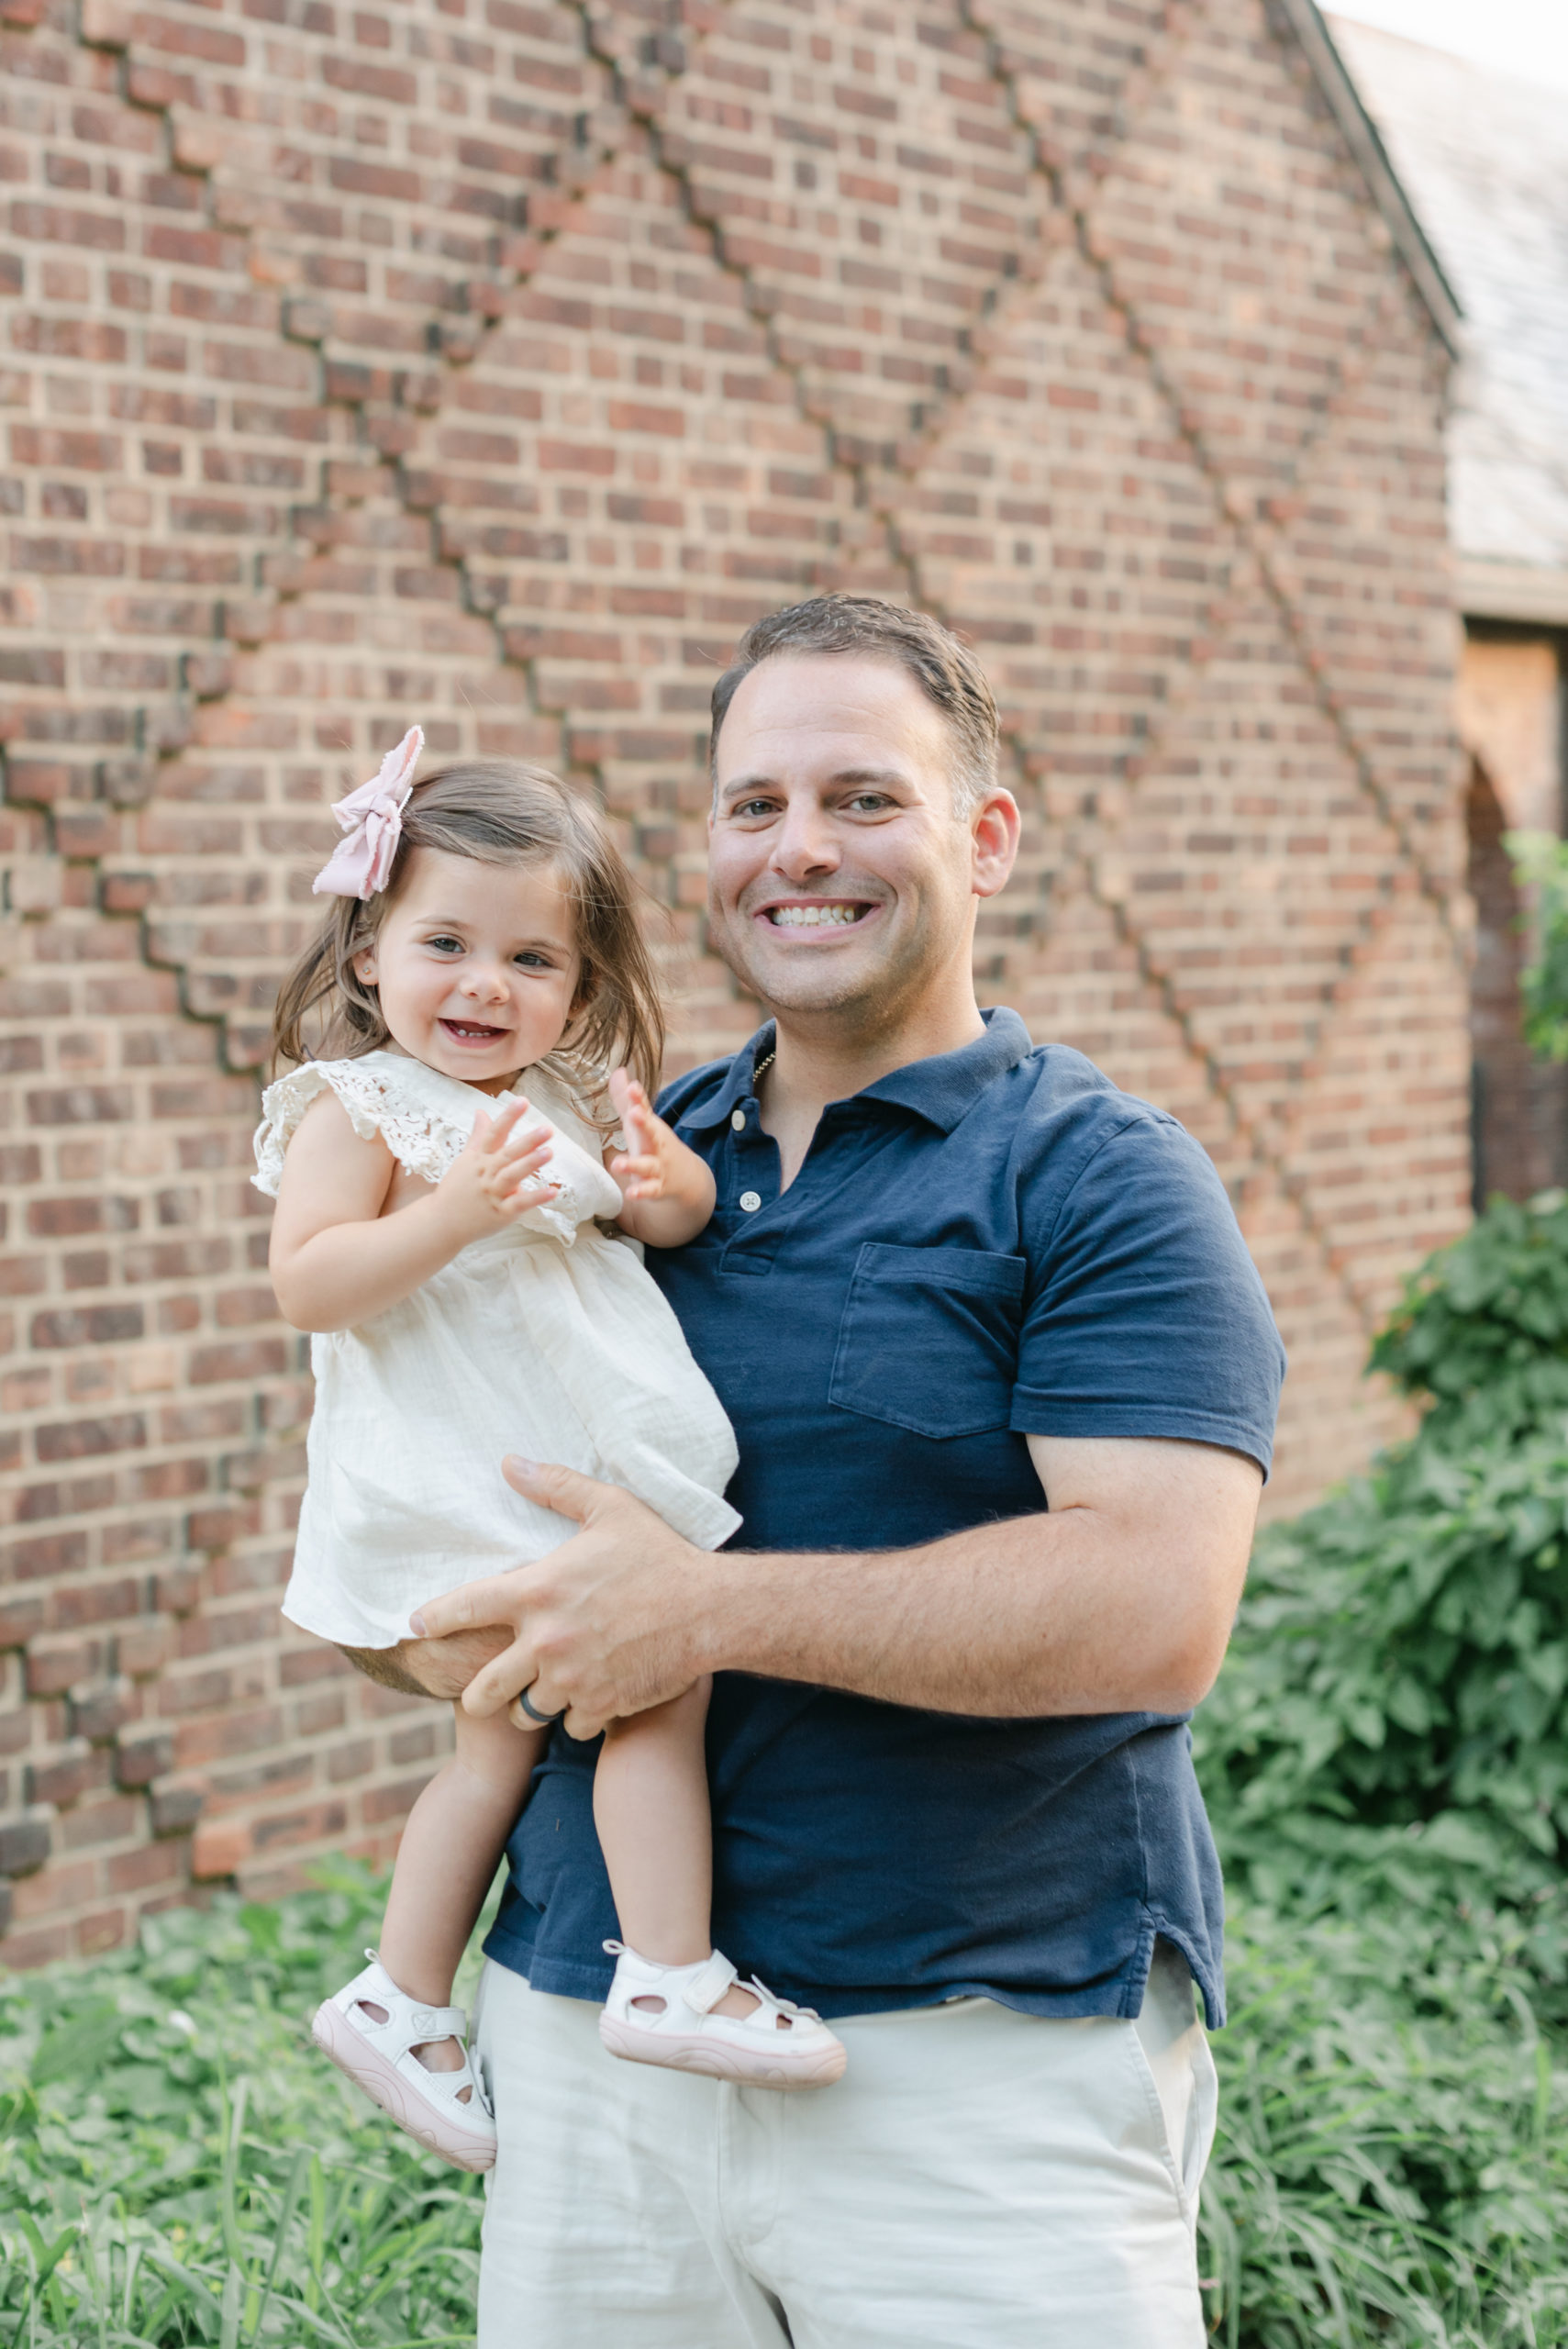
738,1120
751,1201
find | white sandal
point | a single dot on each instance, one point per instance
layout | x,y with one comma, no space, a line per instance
778,2045
379,2057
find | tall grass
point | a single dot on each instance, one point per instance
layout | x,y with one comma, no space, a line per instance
178,2165
1391,2165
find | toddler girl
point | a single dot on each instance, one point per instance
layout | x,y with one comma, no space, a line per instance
461,1254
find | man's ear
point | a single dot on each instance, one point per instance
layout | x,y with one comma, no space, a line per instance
996,829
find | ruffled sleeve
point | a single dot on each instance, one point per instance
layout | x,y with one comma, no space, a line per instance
425,1120
422,1140
283,1106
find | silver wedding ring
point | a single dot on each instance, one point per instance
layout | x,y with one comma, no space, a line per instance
545,1720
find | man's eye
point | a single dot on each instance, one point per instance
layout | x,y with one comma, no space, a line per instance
870,802
754,807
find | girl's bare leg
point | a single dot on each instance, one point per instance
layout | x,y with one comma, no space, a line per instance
650,1807
447,1860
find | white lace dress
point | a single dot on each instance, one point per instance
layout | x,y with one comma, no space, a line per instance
546,1338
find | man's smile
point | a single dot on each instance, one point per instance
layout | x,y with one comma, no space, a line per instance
815,913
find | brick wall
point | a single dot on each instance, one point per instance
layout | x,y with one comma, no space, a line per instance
495,364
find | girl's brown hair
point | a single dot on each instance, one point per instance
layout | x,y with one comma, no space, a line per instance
502,813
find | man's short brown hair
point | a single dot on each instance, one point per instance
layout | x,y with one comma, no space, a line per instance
940,663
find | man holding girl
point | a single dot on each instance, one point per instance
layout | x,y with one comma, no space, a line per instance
1003,1381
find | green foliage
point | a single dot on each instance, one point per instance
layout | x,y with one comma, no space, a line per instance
1392,2171
1392,1713
1483,1330
1540,865
1391,2165
1386,1765
178,2165
1389,1726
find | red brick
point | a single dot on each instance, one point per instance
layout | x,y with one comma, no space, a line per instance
98,1713
53,1665
19,1619
174,1810
101,1930
64,1781
144,1649
137,1761
24,1846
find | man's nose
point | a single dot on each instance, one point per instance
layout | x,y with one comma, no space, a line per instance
805,842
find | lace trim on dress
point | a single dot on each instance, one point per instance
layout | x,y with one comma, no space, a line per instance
419,1138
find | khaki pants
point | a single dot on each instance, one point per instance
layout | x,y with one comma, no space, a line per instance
979,2179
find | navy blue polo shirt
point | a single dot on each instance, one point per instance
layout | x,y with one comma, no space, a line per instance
992,1243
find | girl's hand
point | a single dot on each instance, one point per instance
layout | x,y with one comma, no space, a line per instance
667,1188
497,1177
338,1258
651,1166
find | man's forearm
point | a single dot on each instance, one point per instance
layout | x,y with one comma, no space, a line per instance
1119,1599
431,1667
1040,1615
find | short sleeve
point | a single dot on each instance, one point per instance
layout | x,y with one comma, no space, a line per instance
378,1104
425,1120
282,1106
1145,1314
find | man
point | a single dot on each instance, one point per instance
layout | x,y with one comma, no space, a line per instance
1003,1381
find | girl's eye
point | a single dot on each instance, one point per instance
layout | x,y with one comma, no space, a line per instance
445,945
531,961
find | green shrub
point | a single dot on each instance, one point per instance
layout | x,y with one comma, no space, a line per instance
177,2164
1389,1726
1385,1764
1391,2170
1481,1333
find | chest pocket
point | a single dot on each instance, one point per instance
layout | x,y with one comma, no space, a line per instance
929,1338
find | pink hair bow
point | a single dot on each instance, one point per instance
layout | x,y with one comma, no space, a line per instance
372,818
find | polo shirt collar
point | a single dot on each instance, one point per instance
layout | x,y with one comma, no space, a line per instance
945,1088
739,1083
942,1089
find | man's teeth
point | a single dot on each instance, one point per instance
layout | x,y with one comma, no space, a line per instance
812,916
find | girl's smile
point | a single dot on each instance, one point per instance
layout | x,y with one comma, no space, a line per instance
476,967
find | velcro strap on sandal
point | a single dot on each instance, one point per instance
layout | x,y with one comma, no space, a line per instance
706,1987
437,2022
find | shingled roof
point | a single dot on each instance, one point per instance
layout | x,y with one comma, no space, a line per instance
1484,161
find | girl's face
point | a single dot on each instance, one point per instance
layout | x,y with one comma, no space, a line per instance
476,965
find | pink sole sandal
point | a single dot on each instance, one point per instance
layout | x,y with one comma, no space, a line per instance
379,2057
778,2045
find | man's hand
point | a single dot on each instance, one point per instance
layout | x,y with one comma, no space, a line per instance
606,1625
